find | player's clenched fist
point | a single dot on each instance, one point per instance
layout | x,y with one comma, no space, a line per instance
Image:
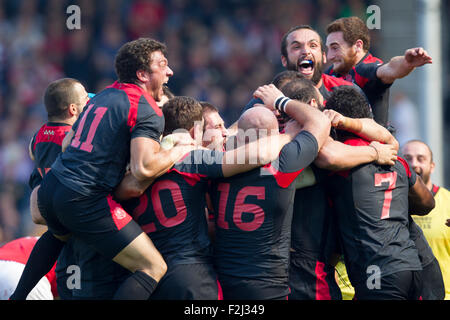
268,94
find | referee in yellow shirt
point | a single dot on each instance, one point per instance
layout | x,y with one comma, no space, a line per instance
420,158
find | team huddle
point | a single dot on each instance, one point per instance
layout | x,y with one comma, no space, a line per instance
153,198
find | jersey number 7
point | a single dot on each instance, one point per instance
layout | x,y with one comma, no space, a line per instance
391,178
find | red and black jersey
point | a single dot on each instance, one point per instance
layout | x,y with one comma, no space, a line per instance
314,236
172,209
330,83
314,241
364,74
96,159
45,147
253,214
371,205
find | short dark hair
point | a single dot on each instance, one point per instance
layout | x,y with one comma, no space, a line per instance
135,55
353,28
59,95
302,90
208,107
349,102
283,77
181,112
283,46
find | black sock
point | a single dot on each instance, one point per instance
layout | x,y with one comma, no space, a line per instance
138,286
42,258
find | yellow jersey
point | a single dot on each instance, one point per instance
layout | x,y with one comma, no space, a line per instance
437,233
344,282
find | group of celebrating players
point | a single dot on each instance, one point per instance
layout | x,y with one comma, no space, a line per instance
153,198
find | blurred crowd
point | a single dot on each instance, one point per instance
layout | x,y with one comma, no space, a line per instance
219,50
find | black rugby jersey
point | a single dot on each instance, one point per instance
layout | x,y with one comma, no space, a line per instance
364,74
45,148
253,213
172,209
95,160
371,204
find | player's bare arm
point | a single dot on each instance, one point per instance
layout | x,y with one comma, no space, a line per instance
312,120
420,198
36,216
256,153
147,161
30,150
400,66
364,127
145,167
337,156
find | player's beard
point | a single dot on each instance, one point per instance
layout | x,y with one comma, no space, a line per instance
425,175
317,74
347,63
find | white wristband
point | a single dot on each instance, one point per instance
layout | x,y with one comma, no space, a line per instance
281,102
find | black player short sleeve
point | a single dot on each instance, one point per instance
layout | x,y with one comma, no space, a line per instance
251,104
207,163
148,122
411,174
299,153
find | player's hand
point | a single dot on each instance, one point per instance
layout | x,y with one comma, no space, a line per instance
417,57
386,153
341,122
292,128
268,94
337,119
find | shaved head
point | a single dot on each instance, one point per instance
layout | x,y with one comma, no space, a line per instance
420,158
258,118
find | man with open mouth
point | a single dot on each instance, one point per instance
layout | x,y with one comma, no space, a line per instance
302,50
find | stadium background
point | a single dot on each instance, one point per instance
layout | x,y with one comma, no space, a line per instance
219,50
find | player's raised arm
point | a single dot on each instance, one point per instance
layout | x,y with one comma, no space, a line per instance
400,66
147,161
337,156
311,119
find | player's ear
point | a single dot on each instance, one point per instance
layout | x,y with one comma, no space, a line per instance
432,165
73,110
196,131
283,61
314,103
359,44
142,76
